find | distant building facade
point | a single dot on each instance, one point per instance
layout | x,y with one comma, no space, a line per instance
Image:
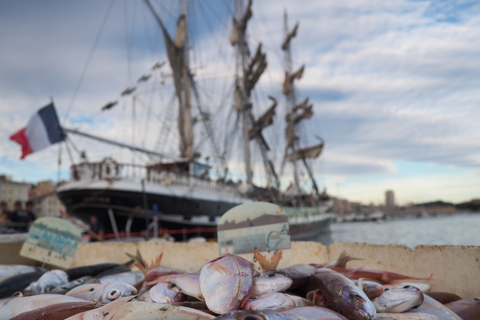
389,200
11,191
45,201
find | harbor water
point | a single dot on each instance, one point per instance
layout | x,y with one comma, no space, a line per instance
457,229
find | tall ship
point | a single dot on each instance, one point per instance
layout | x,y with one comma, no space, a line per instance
185,194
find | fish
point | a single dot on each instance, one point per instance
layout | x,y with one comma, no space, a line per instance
270,282
407,316
163,292
382,276
259,315
130,277
276,301
315,313
56,311
343,296
48,281
91,270
372,289
398,299
7,271
20,305
64,288
18,282
226,283
128,309
161,271
443,297
103,292
188,283
424,287
431,306
299,273
467,309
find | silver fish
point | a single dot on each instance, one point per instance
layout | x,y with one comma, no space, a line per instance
132,277
163,293
103,292
48,281
270,282
276,301
398,299
226,283
126,309
259,315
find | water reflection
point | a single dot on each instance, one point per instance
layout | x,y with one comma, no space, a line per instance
461,229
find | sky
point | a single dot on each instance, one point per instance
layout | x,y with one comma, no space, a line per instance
394,85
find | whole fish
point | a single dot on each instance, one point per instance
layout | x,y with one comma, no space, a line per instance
270,282
20,305
259,315
18,282
126,309
315,313
163,292
226,283
343,296
103,292
276,301
467,309
398,300
56,311
48,281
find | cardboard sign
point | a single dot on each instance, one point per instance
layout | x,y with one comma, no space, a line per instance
51,240
254,226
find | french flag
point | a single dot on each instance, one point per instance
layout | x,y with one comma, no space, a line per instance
42,130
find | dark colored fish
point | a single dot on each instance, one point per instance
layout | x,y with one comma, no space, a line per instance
18,282
57,311
92,270
111,271
467,309
443,297
343,296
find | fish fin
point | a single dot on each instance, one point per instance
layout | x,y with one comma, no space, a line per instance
343,259
218,267
275,260
263,261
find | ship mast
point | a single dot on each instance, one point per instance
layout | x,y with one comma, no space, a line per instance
295,114
249,70
177,51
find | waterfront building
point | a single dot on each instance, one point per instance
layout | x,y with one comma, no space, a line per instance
11,191
389,201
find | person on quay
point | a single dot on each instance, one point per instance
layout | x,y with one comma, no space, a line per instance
18,215
96,227
4,212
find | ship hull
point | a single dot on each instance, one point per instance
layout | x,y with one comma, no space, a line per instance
130,206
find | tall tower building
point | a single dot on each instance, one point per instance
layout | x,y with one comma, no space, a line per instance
389,200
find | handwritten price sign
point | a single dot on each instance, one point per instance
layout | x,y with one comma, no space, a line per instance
53,241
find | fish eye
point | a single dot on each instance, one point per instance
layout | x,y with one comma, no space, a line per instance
91,289
386,289
270,274
114,294
172,286
407,286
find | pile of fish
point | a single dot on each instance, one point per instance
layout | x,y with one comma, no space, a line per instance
227,287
